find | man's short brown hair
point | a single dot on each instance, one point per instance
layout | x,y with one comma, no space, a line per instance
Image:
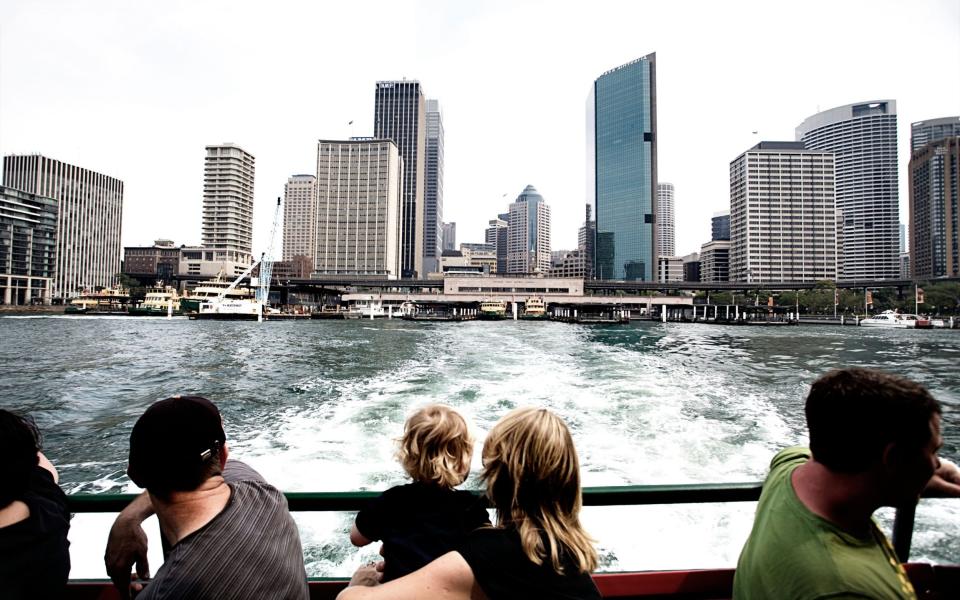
852,415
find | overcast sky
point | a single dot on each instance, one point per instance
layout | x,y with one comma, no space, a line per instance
136,90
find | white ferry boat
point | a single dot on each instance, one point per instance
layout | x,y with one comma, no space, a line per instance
895,320
211,290
492,309
534,308
158,302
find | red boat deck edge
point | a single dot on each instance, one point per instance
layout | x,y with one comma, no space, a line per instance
931,582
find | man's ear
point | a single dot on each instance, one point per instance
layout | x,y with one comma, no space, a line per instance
891,457
223,455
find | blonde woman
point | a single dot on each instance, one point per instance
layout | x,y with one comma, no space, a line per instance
538,548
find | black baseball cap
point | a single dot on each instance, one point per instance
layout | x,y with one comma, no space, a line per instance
172,443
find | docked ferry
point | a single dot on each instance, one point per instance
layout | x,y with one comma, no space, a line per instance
158,302
211,290
108,301
492,310
534,308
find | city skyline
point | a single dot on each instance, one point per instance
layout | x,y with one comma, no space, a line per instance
129,83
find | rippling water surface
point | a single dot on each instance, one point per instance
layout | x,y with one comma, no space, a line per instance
317,406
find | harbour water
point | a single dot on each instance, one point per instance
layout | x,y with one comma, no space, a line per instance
317,406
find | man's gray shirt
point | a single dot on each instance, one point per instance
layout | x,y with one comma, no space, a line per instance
250,550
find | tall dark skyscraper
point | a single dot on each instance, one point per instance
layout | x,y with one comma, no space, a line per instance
433,191
720,226
400,115
935,209
622,167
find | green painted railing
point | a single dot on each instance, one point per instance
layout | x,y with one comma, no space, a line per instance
592,496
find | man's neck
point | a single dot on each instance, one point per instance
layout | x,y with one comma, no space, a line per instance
841,498
185,512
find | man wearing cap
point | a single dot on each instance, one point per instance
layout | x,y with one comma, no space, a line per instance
230,533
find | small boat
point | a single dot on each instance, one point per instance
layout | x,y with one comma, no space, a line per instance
492,310
158,302
329,312
366,306
534,309
108,301
227,309
894,320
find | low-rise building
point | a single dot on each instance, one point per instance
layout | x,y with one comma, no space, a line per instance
715,261
573,264
669,268
161,261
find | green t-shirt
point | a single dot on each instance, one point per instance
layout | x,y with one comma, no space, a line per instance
794,554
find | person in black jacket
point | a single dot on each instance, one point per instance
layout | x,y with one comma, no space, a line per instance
34,520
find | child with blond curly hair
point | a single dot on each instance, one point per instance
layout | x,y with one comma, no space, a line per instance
424,519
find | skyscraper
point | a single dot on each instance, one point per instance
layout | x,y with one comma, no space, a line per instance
358,208
666,226
228,172
433,190
496,235
449,236
622,169
528,237
935,209
400,115
89,216
586,242
300,218
863,139
931,130
782,214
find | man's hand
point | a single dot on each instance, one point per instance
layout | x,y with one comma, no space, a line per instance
369,575
127,546
945,481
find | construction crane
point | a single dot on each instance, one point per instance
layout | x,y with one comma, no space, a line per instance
266,262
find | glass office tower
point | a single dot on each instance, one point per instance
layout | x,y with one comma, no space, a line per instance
622,167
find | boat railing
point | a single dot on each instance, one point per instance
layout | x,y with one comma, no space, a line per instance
636,495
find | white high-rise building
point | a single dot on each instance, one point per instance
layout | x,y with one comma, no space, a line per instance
528,234
359,190
863,139
228,173
89,216
300,217
666,226
782,215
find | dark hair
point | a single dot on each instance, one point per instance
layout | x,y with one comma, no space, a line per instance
19,444
852,414
176,445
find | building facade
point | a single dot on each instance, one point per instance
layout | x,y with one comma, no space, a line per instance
863,139
691,267
359,191
572,264
931,130
400,115
28,247
528,234
666,225
89,219
622,170
496,234
782,214
300,218
934,209
433,189
449,236
715,261
158,262
720,226
228,177
669,268
586,242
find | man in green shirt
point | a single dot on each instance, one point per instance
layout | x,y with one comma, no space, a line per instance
874,439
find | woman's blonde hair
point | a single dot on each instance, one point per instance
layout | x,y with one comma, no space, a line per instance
533,479
436,446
